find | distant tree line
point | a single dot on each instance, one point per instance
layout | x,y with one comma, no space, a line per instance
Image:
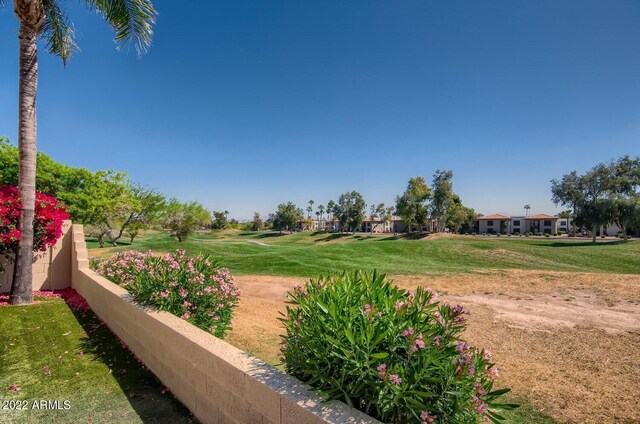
607,193
421,207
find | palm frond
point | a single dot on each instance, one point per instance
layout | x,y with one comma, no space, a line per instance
132,20
57,31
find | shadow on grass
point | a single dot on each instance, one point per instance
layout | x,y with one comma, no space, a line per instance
148,397
107,243
582,243
405,236
271,235
334,236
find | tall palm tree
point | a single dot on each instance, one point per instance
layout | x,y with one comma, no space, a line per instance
132,22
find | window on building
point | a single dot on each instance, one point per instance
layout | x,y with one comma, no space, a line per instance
516,223
489,223
547,223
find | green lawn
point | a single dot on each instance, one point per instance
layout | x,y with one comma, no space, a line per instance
45,353
308,254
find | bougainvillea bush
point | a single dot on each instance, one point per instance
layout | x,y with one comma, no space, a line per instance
196,289
395,355
47,225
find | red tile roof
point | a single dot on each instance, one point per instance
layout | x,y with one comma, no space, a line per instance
541,216
496,216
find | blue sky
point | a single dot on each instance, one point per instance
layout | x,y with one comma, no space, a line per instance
245,104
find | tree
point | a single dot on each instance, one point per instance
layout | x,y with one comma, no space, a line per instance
331,208
286,217
350,210
258,225
321,211
595,209
220,220
310,208
411,206
376,211
442,197
131,20
151,204
459,217
568,192
625,173
527,207
182,219
387,214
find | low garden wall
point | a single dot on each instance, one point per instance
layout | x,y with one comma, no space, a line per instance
51,270
216,381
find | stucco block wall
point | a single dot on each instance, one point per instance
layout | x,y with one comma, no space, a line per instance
219,383
52,269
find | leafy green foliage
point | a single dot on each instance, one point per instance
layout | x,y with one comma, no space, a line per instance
350,211
257,224
286,217
412,205
395,355
107,202
182,219
608,192
196,289
220,220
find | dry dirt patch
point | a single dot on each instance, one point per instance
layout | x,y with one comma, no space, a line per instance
569,342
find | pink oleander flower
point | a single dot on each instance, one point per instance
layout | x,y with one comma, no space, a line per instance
427,418
494,372
395,379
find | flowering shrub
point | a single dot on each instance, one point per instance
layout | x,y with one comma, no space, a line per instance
395,355
47,225
195,289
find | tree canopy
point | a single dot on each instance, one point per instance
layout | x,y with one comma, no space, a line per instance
606,193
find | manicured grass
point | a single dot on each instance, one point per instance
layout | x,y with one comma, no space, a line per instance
308,254
53,353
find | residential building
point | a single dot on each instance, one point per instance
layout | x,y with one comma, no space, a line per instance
503,224
493,224
541,223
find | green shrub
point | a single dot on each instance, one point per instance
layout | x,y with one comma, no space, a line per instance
529,233
395,355
196,289
547,234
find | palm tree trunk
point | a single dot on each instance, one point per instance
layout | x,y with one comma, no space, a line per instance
21,289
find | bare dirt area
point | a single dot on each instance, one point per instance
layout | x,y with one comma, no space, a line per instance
567,342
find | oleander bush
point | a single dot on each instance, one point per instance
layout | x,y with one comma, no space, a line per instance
395,355
196,289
